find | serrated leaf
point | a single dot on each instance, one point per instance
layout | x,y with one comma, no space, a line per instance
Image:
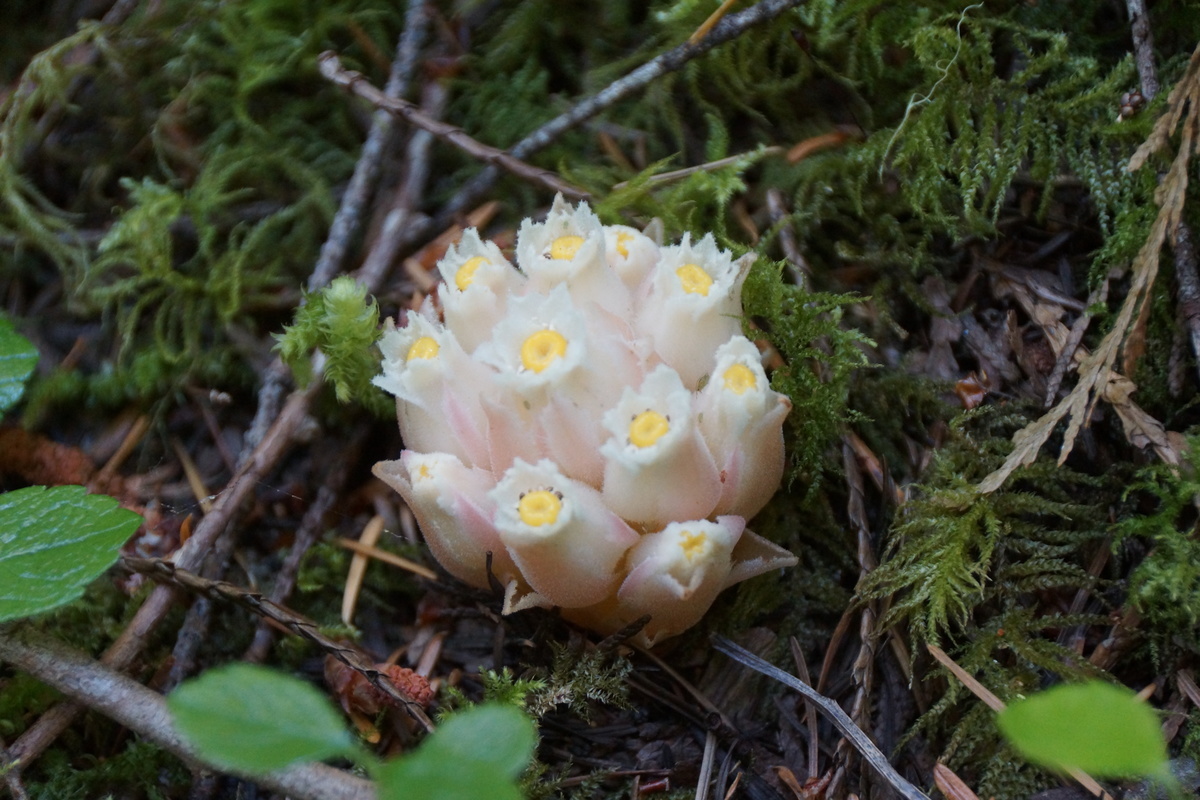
53,543
17,359
253,719
1096,727
477,753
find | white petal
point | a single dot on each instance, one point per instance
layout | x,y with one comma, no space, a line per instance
451,504
478,282
631,254
566,542
676,574
754,556
741,418
569,249
547,346
657,467
437,388
694,305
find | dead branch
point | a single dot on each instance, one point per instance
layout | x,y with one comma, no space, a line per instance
349,655
366,170
144,711
727,29
1143,47
830,709
331,67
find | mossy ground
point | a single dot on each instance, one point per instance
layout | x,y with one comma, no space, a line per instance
166,184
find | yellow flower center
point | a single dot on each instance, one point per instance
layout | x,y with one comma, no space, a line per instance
539,508
564,248
739,378
647,428
693,544
623,239
542,348
423,472
466,273
694,279
425,347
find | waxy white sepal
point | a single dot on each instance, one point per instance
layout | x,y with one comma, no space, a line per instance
675,574
451,504
567,543
478,283
656,465
741,418
437,389
694,305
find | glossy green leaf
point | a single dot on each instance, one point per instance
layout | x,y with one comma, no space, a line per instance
17,359
1097,727
253,719
53,543
477,753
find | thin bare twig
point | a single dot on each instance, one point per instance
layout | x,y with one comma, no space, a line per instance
400,216
144,711
312,525
1143,47
331,67
797,265
728,28
301,626
830,709
346,221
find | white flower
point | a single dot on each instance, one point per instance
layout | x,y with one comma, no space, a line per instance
437,387
631,254
657,467
593,423
675,574
741,418
478,282
695,305
565,540
451,504
569,249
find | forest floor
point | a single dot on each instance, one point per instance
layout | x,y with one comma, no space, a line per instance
976,280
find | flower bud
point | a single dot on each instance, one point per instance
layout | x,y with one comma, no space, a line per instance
478,282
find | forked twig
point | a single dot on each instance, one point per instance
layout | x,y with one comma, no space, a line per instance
331,67
832,710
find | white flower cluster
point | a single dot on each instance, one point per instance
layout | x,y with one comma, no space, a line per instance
595,422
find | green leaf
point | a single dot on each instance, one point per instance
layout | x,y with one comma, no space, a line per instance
1097,727
253,719
53,543
17,358
477,753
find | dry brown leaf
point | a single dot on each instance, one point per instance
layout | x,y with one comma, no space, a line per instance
950,785
1096,374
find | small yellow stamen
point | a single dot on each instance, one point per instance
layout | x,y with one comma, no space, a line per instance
425,347
693,544
694,279
564,248
739,378
539,508
647,428
466,273
423,472
542,348
623,240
